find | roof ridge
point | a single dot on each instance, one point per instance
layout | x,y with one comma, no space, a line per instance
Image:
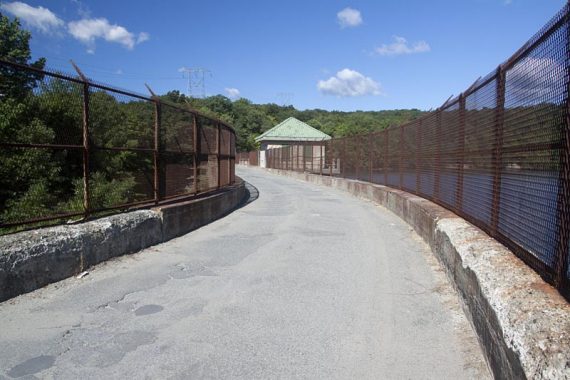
292,129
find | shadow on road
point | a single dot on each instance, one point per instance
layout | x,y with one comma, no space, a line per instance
252,194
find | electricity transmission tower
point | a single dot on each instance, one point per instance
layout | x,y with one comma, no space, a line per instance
196,80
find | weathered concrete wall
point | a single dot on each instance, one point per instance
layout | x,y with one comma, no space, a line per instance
522,322
32,259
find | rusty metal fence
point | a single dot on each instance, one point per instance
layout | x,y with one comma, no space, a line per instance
71,147
498,154
248,158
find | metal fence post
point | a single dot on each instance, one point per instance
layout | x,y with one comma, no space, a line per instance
498,149
86,151
561,279
304,158
197,148
437,172
86,145
418,155
312,158
157,117
400,153
370,154
331,158
386,153
461,160
218,145
343,159
321,160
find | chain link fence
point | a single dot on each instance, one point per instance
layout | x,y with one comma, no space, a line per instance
71,148
498,154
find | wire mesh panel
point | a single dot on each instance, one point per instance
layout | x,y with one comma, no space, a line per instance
428,155
41,145
121,133
480,121
176,129
39,183
450,154
119,178
497,155
70,146
409,162
393,158
120,121
534,120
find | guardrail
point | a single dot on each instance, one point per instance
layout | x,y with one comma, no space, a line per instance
71,147
498,154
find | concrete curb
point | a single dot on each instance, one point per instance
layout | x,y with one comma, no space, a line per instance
32,259
523,323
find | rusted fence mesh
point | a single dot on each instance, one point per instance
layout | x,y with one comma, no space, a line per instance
497,155
71,147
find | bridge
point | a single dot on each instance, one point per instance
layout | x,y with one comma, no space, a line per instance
303,282
454,262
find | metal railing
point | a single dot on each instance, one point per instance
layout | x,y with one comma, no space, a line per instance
71,147
498,154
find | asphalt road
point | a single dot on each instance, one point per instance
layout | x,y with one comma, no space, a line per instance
303,283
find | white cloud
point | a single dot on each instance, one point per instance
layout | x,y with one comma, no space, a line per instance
143,36
508,2
400,46
37,17
232,92
88,30
349,17
348,82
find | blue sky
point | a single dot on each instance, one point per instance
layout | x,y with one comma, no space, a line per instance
329,54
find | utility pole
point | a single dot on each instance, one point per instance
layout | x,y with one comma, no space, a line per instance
196,80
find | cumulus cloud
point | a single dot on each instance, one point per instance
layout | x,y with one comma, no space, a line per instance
349,18
233,93
400,46
348,82
37,17
89,29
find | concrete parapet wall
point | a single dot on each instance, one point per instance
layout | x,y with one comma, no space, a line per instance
32,259
523,323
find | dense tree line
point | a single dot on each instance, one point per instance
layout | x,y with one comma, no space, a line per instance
250,119
42,109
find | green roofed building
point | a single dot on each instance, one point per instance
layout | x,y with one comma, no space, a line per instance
293,132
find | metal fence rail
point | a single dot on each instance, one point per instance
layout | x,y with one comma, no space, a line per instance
498,154
73,147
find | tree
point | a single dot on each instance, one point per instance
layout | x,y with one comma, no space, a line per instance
15,47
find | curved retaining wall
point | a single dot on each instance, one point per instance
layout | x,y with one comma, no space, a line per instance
32,259
523,323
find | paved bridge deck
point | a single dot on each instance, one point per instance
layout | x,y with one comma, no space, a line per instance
304,282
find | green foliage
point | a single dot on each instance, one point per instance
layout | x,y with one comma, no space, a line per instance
38,109
250,120
15,47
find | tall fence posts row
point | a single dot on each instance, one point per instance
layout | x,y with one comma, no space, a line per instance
196,145
86,148
157,190
561,280
498,148
461,158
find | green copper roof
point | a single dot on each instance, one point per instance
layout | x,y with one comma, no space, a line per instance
292,129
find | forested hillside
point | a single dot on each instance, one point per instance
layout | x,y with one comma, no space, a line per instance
38,109
251,120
